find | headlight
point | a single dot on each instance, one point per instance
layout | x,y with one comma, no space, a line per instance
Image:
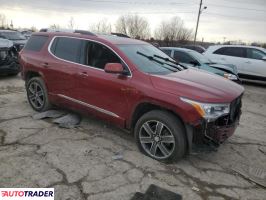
230,76
209,111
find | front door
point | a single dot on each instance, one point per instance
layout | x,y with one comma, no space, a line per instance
102,93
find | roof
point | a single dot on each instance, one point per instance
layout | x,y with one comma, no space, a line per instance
177,48
232,45
5,30
113,39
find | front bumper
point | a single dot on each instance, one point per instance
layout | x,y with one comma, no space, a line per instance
9,68
220,129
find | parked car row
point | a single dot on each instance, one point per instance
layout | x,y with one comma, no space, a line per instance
11,42
191,58
134,85
250,61
247,62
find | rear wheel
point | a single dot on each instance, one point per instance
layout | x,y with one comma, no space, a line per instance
37,94
161,135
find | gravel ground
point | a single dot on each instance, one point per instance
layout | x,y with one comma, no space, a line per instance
79,163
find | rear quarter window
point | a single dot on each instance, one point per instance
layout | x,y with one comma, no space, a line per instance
67,48
36,42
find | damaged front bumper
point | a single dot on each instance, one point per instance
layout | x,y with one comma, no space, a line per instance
10,68
217,131
8,62
210,132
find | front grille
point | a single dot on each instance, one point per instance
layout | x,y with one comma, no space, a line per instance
235,109
233,116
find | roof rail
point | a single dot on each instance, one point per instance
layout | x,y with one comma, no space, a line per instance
120,35
67,31
84,32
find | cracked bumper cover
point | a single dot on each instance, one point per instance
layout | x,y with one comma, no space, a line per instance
220,129
211,132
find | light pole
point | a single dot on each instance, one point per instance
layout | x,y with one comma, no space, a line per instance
200,11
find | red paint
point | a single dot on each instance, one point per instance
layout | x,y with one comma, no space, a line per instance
120,94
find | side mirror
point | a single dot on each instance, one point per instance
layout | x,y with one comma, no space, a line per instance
114,68
264,58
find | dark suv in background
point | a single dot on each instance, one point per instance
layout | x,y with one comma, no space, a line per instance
133,85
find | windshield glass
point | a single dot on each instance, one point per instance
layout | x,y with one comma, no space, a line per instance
199,57
13,35
143,63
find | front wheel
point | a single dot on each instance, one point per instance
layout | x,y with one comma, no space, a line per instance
161,135
37,94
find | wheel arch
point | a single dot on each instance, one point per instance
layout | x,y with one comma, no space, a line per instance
30,74
145,107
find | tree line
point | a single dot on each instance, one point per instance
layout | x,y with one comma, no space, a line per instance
138,27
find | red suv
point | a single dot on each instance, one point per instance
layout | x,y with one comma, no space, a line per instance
133,85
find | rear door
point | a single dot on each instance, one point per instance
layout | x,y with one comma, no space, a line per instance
62,63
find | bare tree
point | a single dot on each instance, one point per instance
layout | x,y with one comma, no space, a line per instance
33,29
133,25
101,27
71,23
54,26
173,30
3,21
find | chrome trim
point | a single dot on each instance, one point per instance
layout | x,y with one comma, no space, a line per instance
90,106
51,42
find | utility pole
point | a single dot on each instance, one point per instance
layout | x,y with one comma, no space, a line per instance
199,13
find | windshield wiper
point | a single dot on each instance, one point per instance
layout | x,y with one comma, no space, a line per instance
160,62
171,61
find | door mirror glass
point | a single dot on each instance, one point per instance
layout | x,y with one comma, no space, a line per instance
114,68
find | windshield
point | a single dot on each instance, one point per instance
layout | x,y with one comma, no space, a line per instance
200,58
143,63
13,35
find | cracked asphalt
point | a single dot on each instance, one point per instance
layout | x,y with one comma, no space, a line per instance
79,163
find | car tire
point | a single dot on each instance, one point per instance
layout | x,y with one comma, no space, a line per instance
161,136
37,94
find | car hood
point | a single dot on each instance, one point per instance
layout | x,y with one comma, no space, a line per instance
206,68
19,42
227,67
198,85
4,43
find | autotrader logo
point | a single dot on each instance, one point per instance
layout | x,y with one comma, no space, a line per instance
26,193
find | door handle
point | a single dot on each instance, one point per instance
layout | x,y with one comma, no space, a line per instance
45,65
84,74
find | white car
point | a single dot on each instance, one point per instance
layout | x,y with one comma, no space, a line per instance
250,61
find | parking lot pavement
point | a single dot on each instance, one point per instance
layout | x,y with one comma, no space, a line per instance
82,163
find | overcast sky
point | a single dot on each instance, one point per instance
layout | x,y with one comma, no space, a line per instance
223,19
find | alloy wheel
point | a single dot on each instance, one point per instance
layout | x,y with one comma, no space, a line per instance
36,95
157,139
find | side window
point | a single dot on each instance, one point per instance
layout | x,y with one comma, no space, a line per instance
67,48
183,57
167,52
255,54
99,55
220,51
231,51
36,42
